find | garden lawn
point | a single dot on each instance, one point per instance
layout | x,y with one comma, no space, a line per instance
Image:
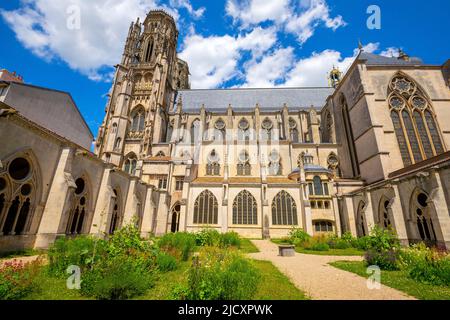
330,252
248,247
398,280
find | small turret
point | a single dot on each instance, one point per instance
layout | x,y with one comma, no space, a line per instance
335,77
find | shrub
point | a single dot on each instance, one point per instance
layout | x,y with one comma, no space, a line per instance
218,274
298,236
180,244
166,262
386,259
18,279
426,265
337,243
208,237
361,243
319,246
230,239
116,279
81,251
383,249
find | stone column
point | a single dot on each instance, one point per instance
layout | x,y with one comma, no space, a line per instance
57,202
351,215
369,214
437,199
103,209
147,217
161,216
337,217
395,206
130,204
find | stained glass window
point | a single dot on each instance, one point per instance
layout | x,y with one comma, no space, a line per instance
413,142
206,208
423,134
434,132
245,209
284,210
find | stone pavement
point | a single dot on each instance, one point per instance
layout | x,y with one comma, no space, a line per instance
320,281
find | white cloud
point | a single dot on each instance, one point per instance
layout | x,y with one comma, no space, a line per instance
188,6
300,18
41,26
313,71
214,60
252,12
270,69
303,25
390,52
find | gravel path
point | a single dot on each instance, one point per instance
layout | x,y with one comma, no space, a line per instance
313,275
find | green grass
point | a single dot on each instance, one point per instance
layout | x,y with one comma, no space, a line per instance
20,253
398,280
331,252
248,247
51,288
274,285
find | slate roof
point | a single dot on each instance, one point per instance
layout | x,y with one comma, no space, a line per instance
315,168
377,60
273,99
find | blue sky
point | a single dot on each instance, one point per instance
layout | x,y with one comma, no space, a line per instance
230,43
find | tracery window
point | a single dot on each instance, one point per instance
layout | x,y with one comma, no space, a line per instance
245,209
421,212
284,210
79,208
206,208
267,127
17,197
243,167
116,217
138,120
130,165
384,214
195,131
219,130
213,166
117,144
274,164
243,130
414,121
293,130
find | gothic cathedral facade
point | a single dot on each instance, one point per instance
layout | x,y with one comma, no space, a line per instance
371,149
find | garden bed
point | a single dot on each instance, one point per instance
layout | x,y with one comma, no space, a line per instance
398,280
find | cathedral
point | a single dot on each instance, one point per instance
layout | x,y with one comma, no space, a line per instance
370,149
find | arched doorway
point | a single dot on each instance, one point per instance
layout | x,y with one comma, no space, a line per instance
175,216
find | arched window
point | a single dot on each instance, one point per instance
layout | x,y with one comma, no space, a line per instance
138,120
243,167
422,216
219,130
117,144
284,210
130,165
160,154
175,218
327,128
267,127
318,187
206,209
213,166
169,131
274,164
361,221
195,131
79,208
114,128
349,137
149,51
15,215
243,130
116,217
245,209
384,215
414,122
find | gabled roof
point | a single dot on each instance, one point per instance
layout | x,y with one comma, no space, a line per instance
246,99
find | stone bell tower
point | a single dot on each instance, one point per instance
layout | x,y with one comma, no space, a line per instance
143,91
